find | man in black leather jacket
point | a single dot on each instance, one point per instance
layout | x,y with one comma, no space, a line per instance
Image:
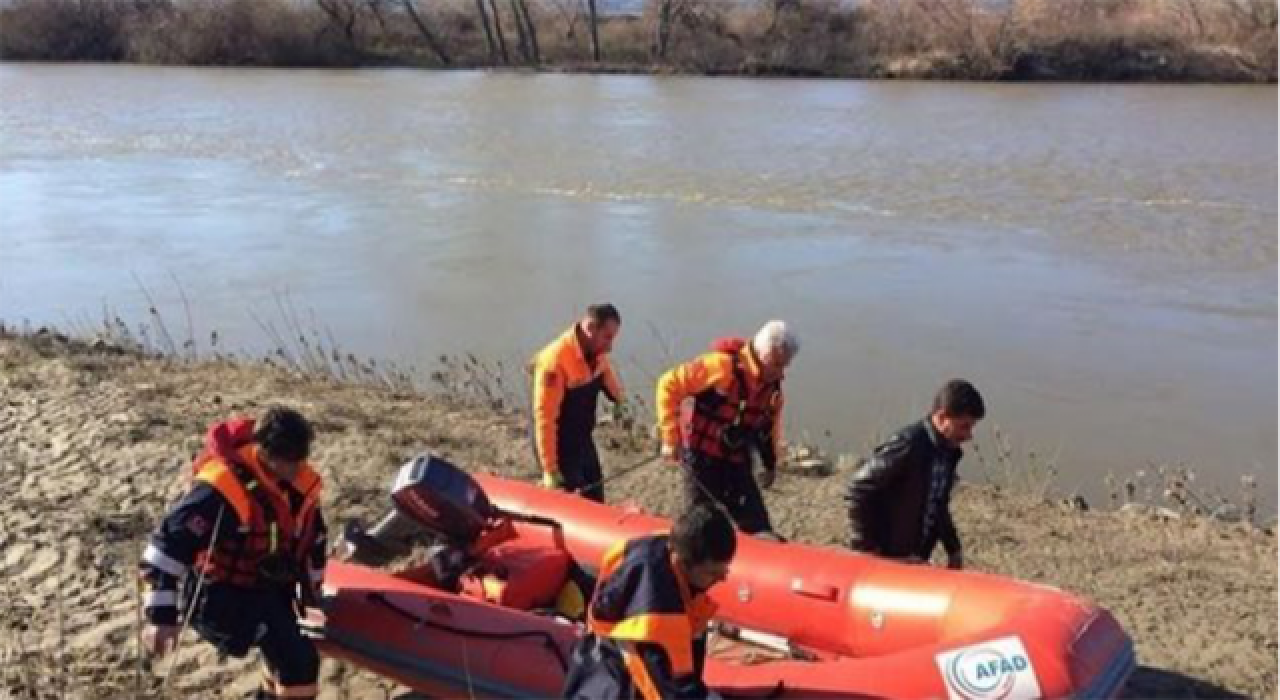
899,499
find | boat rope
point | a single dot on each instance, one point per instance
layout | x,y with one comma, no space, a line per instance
619,473
191,604
654,459
548,641
466,665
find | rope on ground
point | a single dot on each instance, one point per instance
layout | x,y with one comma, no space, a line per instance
619,473
191,605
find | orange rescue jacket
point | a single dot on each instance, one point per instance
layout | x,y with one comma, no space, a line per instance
565,392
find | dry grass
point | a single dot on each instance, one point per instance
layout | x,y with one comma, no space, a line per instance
1181,40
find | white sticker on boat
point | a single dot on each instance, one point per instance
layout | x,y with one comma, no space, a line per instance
995,670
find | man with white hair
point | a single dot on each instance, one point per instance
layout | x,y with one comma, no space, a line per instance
714,410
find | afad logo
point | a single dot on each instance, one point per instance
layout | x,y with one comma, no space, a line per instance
997,670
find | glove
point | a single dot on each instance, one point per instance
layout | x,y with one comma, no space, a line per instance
767,477
160,639
670,455
552,480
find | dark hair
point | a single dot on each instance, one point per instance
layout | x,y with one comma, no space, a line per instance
958,398
603,313
703,534
284,434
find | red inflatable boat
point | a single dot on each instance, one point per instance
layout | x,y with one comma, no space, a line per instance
809,622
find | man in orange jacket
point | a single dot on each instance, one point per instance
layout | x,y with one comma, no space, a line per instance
568,376
732,400
648,617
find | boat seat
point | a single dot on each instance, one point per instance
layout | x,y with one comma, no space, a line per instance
519,576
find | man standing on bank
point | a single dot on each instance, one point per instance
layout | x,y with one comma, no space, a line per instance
568,376
732,403
900,498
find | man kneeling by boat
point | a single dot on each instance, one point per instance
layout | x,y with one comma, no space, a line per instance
648,618
247,542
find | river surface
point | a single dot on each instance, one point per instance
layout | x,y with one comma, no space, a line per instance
1100,260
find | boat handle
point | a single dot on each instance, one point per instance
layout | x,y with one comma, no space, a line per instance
440,609
823,592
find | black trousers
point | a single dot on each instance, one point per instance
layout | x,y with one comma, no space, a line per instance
235,619
597,671
732,485
580,469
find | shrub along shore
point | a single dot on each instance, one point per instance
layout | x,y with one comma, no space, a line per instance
1026,40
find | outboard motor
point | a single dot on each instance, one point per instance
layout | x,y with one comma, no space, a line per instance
434,503
438,505
467,537
443,500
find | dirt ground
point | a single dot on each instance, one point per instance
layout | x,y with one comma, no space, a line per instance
94,444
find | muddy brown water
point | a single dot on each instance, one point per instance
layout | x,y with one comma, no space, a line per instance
1100,260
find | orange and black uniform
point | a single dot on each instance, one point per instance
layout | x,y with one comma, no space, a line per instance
728,409
267,537
566,390
647,629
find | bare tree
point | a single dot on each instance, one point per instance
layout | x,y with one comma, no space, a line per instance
342,14
662,37
777,8
669,13
533,31
375,9
522,39
594,19
433,42
1255,14
497,29
527,33
488,30
1192,8
569,11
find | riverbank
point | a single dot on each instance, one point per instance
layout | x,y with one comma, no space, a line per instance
94,440
1232,41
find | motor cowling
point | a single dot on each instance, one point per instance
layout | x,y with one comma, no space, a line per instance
442,499
434,502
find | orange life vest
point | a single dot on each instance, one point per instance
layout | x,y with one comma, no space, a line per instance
712,414
272,529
